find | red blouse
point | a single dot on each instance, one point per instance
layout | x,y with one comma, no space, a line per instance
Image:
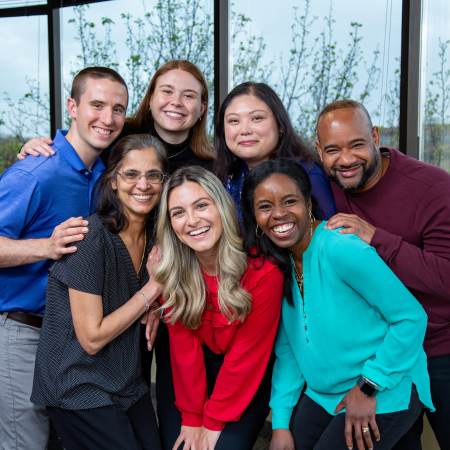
247,346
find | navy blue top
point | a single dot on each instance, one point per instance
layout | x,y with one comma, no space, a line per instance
36,195
320,189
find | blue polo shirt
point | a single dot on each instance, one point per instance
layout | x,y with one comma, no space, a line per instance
36,195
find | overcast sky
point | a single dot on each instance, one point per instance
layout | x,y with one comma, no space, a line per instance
24,48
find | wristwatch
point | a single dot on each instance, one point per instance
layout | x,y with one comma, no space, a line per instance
368,388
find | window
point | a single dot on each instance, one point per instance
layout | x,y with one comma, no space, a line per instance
313,53
24,102
136,38
435,83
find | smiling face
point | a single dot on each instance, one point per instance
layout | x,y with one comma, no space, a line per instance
98,118
176,105
251,131
195,219
281,211
140,198
348,147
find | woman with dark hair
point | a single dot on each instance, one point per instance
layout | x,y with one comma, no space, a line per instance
253,126
88,369
349,330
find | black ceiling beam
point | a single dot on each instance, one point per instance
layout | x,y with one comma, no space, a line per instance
41,10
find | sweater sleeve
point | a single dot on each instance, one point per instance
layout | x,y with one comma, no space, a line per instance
189,375
287,381
246,361
360,267
422,269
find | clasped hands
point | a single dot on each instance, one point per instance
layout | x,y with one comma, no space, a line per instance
197,438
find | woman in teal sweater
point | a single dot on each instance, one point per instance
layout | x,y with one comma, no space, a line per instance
350,331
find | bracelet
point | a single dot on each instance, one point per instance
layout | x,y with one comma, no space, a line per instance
146,301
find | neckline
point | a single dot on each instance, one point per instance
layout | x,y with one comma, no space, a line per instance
171,148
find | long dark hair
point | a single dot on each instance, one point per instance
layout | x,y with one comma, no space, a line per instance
290,144
265,247
109,207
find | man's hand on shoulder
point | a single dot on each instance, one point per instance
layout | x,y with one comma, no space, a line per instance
353,225
72,230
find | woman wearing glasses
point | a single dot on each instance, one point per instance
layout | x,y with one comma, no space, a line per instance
88,367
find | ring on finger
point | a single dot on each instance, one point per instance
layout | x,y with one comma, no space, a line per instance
365,430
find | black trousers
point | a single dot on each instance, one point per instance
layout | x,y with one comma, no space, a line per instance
240,435
108,428
313,428
439,370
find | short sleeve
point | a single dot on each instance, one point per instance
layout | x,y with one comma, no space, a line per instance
83,270
19,202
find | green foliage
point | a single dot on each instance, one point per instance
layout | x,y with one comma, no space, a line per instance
9,148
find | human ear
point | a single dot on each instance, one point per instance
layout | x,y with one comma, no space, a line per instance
72,107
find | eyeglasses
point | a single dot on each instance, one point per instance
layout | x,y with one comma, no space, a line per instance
154,177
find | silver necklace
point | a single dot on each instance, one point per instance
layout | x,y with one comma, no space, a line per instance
178,152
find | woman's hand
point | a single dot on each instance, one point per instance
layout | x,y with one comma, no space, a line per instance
282,439
35,147
154,259
190,436
151,319
360,412
208,439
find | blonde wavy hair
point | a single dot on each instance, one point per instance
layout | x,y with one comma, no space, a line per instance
184,291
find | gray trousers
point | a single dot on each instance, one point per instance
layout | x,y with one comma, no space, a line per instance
23,426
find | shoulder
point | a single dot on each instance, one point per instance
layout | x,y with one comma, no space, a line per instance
261,270
339,247
417,171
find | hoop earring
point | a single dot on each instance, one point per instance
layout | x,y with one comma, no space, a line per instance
256,232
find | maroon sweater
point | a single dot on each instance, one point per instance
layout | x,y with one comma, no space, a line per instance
410,206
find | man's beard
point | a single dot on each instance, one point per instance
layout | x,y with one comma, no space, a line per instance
367,172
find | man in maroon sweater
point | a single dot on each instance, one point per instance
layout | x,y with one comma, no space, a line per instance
401,207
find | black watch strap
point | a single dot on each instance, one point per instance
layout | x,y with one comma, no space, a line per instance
368,388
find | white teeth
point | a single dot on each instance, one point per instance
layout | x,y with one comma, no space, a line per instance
102,131
200,231
172,114
283,228
142,197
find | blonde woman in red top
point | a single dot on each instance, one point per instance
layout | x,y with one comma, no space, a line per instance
216,301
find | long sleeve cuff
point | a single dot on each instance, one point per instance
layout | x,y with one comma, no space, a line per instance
191,419
213,424
281,417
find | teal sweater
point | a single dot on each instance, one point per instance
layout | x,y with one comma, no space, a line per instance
357,319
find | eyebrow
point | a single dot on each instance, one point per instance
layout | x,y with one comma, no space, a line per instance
104,103
196,201
251,112
172,87
353,141
282,198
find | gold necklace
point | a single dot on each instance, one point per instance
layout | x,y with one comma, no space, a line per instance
299,278
143,252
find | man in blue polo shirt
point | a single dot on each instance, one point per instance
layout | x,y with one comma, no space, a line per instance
37,195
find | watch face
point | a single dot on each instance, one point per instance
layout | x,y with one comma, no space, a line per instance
366,388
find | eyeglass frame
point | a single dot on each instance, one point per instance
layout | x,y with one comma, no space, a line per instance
143,175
